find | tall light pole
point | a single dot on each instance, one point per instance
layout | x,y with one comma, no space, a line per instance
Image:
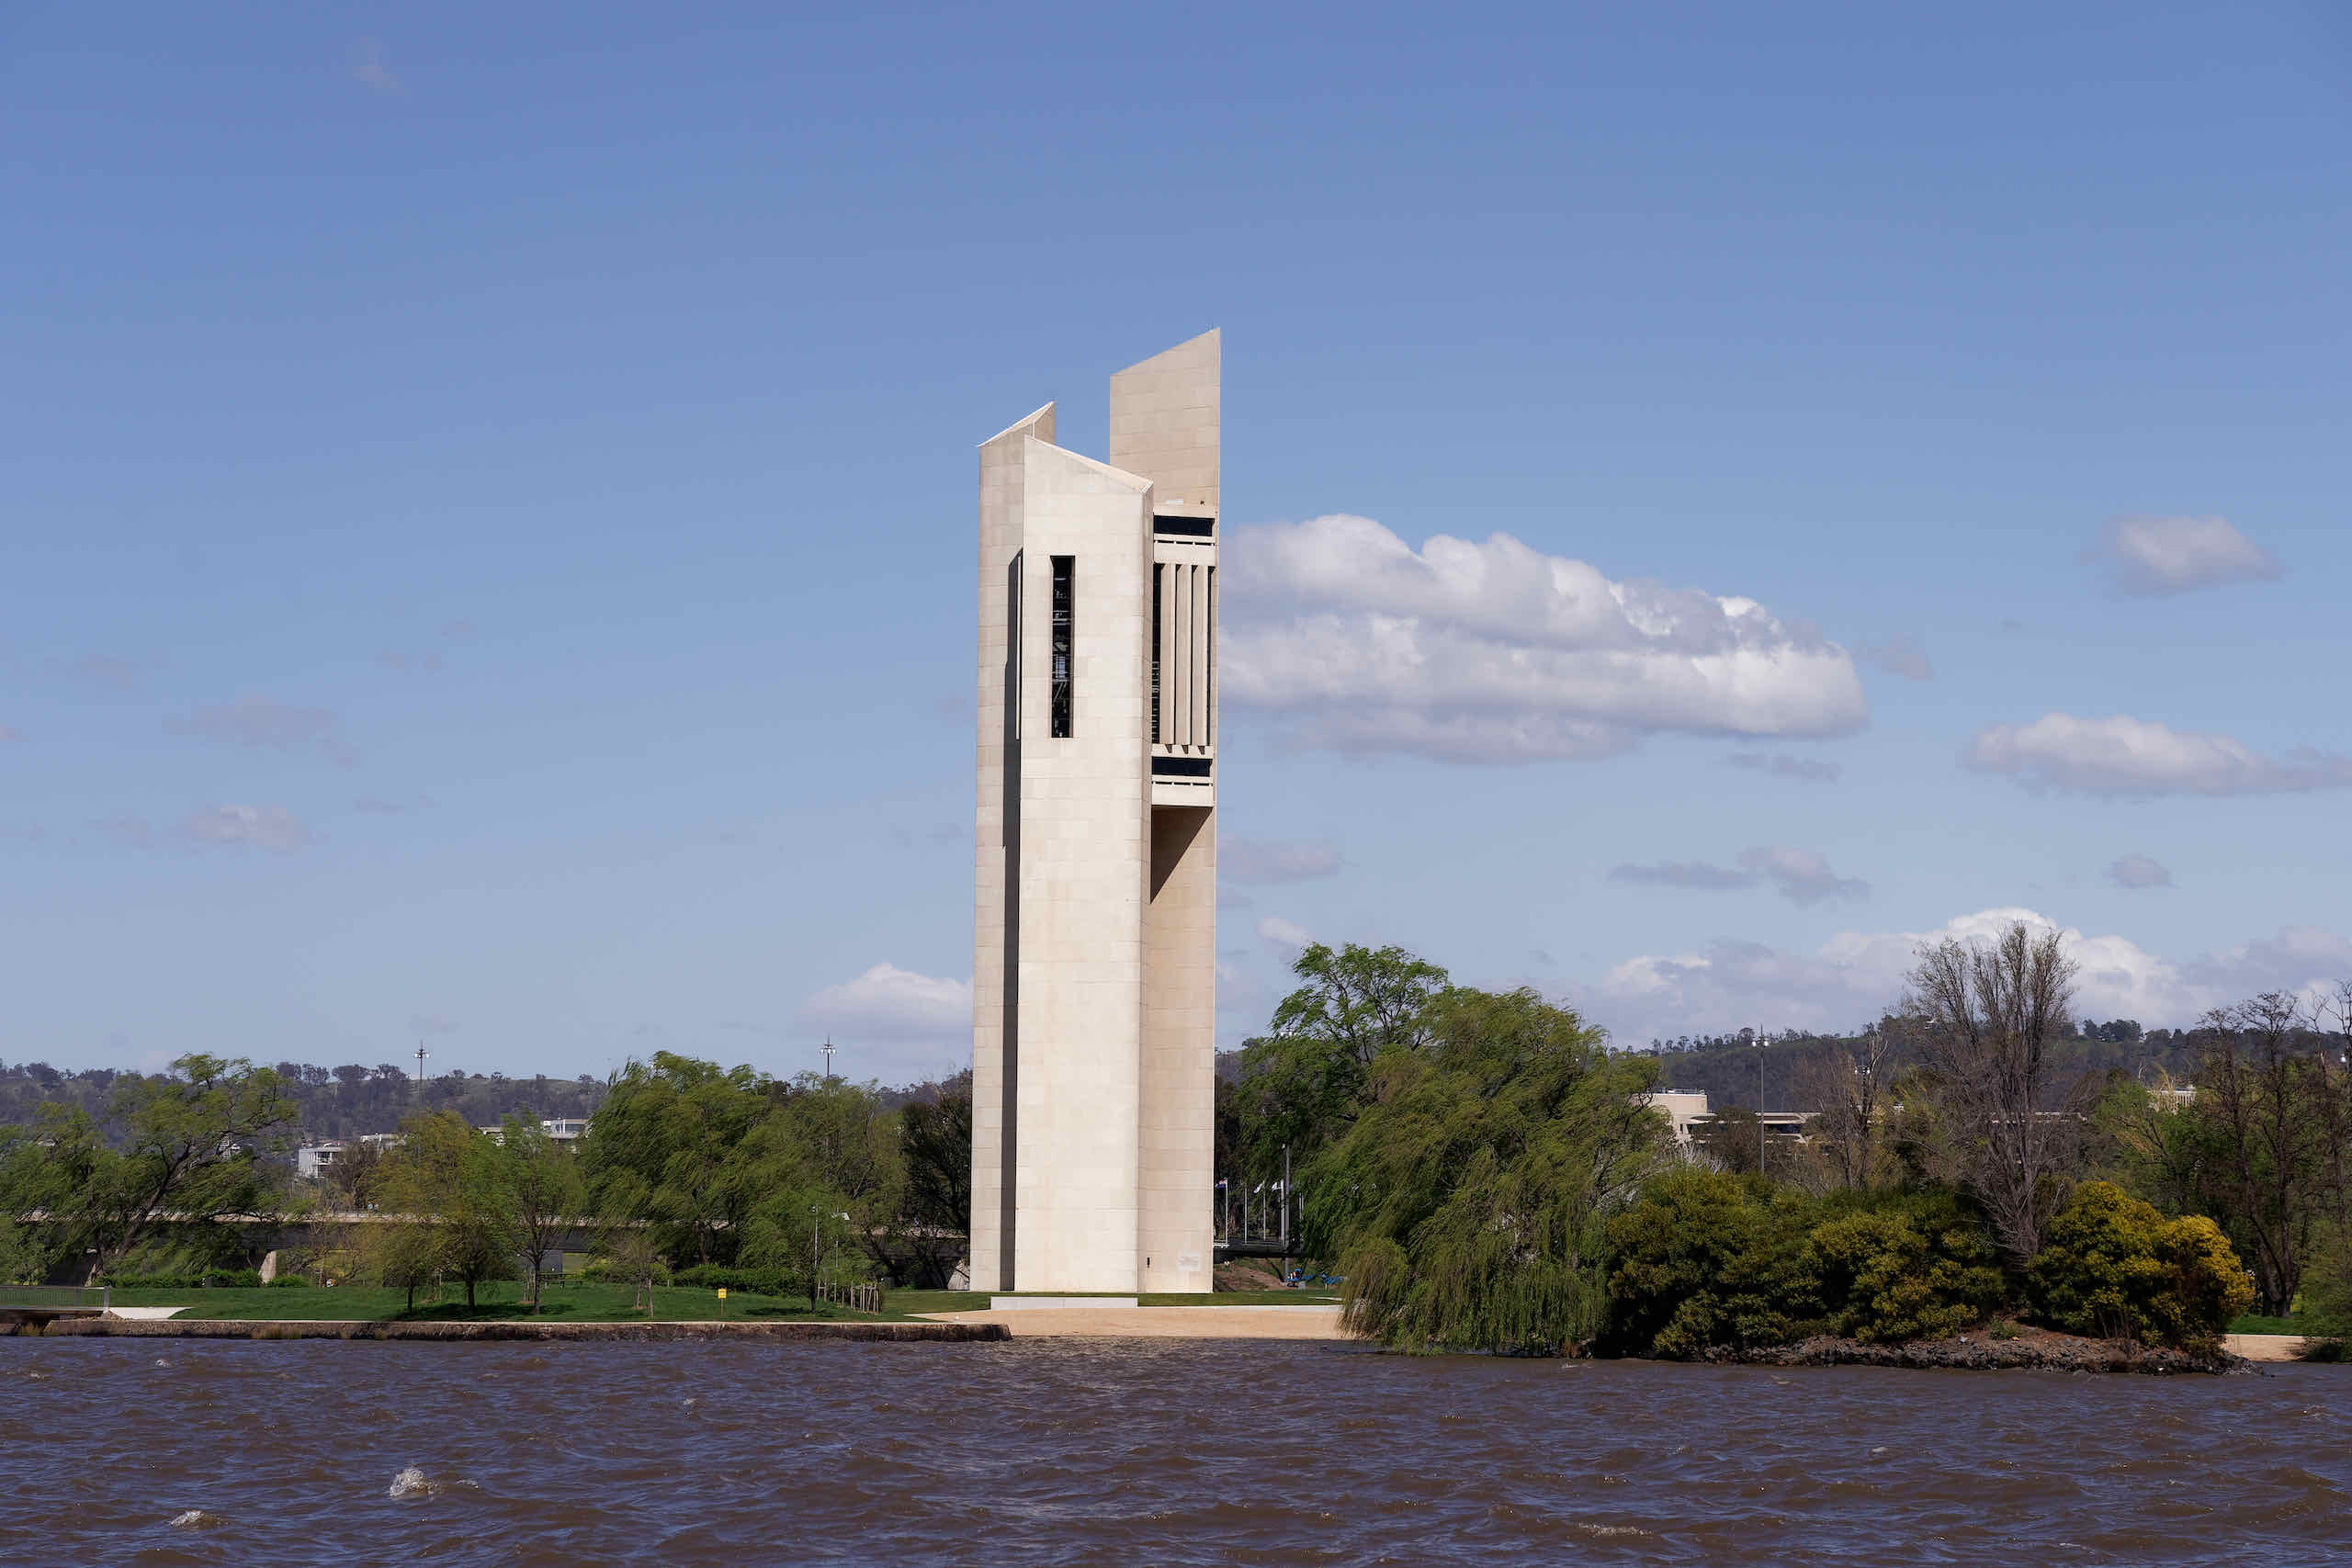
829,1058
1759,1102
421,1054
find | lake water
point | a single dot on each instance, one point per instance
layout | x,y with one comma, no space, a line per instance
1137,1453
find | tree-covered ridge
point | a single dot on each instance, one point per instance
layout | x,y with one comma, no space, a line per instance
328,1103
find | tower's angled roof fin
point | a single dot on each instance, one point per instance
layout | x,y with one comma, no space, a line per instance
1039,424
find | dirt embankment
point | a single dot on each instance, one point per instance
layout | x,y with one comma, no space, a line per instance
183,1329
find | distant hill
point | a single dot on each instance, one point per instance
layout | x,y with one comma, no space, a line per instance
336,1102
1724,1068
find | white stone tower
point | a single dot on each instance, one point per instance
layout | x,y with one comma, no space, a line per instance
1094,938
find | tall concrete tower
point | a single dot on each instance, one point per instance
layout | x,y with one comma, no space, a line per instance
1094,935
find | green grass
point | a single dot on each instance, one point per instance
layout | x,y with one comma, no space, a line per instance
603,1304
559,1303
2253,1323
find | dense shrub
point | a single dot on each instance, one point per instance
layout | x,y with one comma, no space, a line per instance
2114,1266
212,1279
1704,1260
1919,1270
760,1281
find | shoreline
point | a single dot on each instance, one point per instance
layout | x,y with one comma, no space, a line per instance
499,1330
2032,1351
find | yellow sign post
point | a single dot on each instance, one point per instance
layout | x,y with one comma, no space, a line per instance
722,1301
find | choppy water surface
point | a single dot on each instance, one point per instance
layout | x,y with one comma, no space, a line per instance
170,1451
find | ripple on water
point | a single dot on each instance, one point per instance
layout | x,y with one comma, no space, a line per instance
1174,1453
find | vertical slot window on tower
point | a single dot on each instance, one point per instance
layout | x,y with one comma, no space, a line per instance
1208,663
1013,644
1157,569
1065,568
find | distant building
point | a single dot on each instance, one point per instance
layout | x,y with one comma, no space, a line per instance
1687,1112
311,1159
1681,1109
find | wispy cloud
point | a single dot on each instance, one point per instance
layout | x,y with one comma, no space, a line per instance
1782,766
2138,871
1898,655
1266,860
1283,938
8,733
371,65
1801,877
101,671
247,827
431,1023
376,806
2150,557
265,722
2125,756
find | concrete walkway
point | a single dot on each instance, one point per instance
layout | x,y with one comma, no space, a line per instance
1163,1322
146,1314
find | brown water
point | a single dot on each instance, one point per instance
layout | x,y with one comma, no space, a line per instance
1145,1452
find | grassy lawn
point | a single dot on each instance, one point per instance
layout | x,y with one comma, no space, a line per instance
565,1303
611,1303
2318,1327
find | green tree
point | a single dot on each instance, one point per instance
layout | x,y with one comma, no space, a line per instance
545,1195
451,1180
49,1180
935,1150
194,1148
1304,1081
2268,1115
1464,1196
667,1145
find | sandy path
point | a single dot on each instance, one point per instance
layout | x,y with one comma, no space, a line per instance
2263,1347
1164,1323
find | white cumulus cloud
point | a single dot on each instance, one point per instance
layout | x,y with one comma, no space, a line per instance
2121,755
1852,977
887,1003
2155,556
1494,652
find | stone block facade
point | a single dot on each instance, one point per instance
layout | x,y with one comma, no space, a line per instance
1093,965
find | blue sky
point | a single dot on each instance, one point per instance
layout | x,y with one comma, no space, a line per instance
489,502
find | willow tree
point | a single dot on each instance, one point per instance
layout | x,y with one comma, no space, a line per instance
1465,1198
